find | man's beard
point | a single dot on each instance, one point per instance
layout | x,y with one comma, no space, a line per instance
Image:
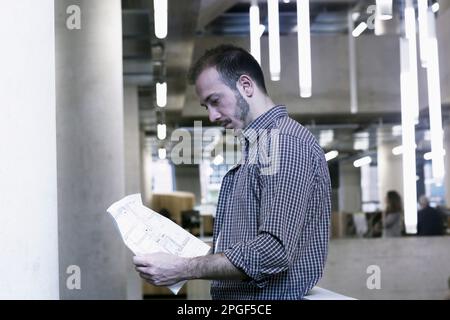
243,108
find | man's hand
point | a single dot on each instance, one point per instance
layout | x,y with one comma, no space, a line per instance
162,269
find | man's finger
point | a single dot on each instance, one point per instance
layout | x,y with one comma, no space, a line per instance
141,261
142,270
146,276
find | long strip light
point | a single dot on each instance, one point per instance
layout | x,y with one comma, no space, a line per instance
434,101
304,48
398,150
435,7
408,139
423,30
410,33
362,162
161,94
379,26
274,40
359,29
160,11
352,65
429,155
331,155
384,9
255,43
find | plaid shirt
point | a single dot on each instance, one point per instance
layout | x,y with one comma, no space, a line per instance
274,225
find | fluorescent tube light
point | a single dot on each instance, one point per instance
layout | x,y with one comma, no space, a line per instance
410,33
162,153
435,7
161,131
384,9
359,29
434,102
331,155
255,43
304,48
423,30
160,11
362,162
274,40
161,94
408,139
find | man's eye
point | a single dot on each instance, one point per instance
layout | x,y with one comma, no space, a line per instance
215,102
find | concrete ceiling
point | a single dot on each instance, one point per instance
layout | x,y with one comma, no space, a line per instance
195,25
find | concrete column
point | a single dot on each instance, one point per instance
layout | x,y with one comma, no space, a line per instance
187,178
443,37
349,188
390,168
132,174
132,140
447,165
90,148
146,169
29,234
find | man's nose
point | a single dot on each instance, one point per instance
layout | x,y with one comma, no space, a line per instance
213,115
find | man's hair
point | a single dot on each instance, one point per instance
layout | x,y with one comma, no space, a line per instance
231,62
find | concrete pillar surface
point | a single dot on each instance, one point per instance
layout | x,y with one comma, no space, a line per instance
390,168
90,134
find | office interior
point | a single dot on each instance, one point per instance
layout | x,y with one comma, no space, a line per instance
95,105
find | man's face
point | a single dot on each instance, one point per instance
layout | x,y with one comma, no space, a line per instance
225,106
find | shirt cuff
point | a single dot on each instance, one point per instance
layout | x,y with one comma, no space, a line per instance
248,261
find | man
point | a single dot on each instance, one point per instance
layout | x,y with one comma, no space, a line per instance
271,230
429,220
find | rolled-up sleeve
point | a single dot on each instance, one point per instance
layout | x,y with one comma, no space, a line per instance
285,193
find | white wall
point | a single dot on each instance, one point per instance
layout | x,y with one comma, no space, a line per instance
28,200
349,188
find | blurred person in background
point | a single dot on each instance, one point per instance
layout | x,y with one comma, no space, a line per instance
393,215
429,220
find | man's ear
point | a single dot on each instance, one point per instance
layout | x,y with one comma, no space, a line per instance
246,85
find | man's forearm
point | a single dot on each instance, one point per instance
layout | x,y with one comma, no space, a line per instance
214,267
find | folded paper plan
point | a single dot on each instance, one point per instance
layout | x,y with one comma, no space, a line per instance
145,231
